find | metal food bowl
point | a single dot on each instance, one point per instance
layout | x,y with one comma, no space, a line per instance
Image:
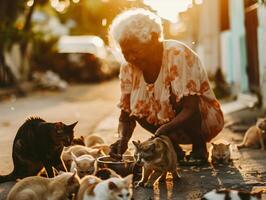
122,167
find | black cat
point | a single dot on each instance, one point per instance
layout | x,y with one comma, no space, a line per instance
39,144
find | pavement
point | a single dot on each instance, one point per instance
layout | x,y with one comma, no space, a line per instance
94,106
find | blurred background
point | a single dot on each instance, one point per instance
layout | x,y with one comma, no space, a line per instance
55,63
53,43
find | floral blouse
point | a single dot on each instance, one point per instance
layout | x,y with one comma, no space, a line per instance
183,73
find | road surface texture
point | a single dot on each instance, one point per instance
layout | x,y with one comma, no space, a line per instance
94,106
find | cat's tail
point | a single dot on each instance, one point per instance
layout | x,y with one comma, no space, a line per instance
9,177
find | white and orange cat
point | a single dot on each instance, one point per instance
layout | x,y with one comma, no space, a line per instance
84,165
255,135
93,188
159,157
63,186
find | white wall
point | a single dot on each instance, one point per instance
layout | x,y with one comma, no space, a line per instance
209,35
262,50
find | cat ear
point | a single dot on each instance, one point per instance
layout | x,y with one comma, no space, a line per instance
112,186
74,157
65,149
136,144
71,126
96,152
73,178
213,144
56,173
82,138
128,179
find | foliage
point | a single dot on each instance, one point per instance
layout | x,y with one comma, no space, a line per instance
88,15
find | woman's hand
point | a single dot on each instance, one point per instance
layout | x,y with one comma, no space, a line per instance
117,149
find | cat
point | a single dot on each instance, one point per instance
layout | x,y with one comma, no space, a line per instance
85,165
96,142
92,140
106,173
255,135
78,150
230,194
39,144
220,152
60,187
80,141
159,157
93,188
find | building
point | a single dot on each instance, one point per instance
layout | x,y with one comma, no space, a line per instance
232,36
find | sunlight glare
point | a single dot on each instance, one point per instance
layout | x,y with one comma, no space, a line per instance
104,22
198,1
169,9
30,3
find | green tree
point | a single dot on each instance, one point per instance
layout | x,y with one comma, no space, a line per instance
10,32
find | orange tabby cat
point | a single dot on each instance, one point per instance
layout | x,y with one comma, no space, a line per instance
60,187
255,135
220,152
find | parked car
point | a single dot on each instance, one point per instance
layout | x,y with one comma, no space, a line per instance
88,59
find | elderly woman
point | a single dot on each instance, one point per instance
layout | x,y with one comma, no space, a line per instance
164,87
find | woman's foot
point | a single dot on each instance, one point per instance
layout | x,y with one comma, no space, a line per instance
194,159
197,158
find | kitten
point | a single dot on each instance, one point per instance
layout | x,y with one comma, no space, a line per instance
106,173
93,140
255,135
85,165
39,144
93,188
80,141
231,194
78,150
60,187
220,153
158,157
105,149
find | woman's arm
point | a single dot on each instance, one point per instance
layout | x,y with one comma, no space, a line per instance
126,127
190,105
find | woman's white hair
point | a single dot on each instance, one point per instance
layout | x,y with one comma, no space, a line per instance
137,22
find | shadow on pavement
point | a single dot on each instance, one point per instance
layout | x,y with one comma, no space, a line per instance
195,181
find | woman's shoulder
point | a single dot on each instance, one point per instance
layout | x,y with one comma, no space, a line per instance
175,45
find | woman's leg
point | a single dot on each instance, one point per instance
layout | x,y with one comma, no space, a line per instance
175,141
192,128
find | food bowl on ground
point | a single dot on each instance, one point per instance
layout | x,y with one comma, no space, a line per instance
122,167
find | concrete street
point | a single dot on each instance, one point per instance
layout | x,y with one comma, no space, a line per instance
94,106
